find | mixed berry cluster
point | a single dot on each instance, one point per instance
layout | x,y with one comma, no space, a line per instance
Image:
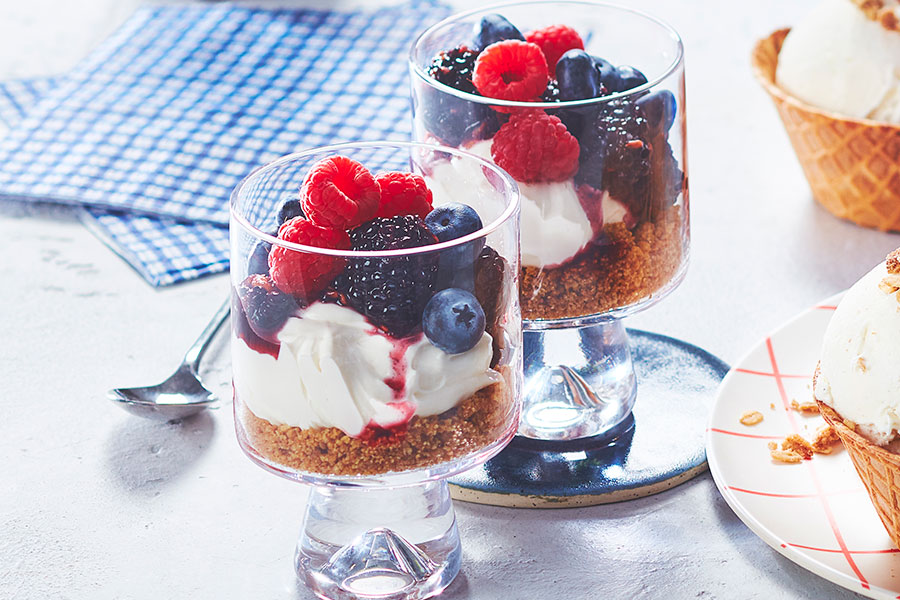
342,206
606,145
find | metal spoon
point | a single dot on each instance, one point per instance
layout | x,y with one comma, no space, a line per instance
182,394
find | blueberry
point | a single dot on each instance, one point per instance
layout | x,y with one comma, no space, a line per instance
449,222
453,320
658,109
494,28
289,209
606,74
629,77
258,262
452,221
577,76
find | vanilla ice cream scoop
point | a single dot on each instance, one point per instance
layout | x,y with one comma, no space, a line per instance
846,60
859,368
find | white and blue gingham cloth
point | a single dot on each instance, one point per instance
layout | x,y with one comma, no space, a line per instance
153,130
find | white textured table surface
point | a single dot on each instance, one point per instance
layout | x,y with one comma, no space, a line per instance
96,503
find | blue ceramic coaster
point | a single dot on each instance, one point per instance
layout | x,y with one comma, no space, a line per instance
659,446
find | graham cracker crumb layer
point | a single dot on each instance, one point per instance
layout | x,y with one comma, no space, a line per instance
476,422
631,266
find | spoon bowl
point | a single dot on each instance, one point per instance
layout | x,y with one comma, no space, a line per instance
183,393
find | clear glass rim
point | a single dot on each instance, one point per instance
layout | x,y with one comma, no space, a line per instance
511,209
422,75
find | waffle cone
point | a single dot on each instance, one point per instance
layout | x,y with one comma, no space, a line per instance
878,469
852,165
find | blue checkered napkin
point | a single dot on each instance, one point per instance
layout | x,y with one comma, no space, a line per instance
164,251
173,110
167,115
17,96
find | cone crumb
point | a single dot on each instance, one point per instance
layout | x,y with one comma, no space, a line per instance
893,262
751,418
825,441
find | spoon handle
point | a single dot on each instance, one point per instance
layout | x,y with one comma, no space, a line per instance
195,352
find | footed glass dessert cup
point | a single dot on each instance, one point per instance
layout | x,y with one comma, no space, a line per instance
376,350
583,104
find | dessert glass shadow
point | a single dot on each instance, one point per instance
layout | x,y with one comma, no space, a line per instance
599,156
350,372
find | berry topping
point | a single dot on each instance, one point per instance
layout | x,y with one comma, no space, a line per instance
265,306
403,194
453,320
629,78
339,192
452,221
534,146
454,120
455,68
489,283
511,70
606,74
659,109
494,28
258,261
449,222
392,291
289,209
304,274
551,94
554,41
616,153
242,329
577,76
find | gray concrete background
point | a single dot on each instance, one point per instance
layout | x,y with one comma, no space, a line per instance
98,504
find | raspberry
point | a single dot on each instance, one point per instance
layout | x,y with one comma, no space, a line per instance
265,306
392,291
554,41
340,193
304,274
534,146
511,70
403,194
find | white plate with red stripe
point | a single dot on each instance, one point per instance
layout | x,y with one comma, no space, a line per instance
816,513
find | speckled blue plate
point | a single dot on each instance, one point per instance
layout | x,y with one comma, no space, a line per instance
658,447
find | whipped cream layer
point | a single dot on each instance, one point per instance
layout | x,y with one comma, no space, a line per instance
554,226
839,60
858,370
335,370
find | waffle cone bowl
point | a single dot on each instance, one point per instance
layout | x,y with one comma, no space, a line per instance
852,165
878,469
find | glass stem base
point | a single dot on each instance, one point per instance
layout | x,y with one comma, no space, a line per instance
385,543
579,382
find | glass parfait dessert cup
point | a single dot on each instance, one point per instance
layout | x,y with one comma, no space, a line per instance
582,103
376,350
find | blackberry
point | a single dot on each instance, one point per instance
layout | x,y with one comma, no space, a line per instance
455,68
455,120
489,283
666,177
615,154
392,291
